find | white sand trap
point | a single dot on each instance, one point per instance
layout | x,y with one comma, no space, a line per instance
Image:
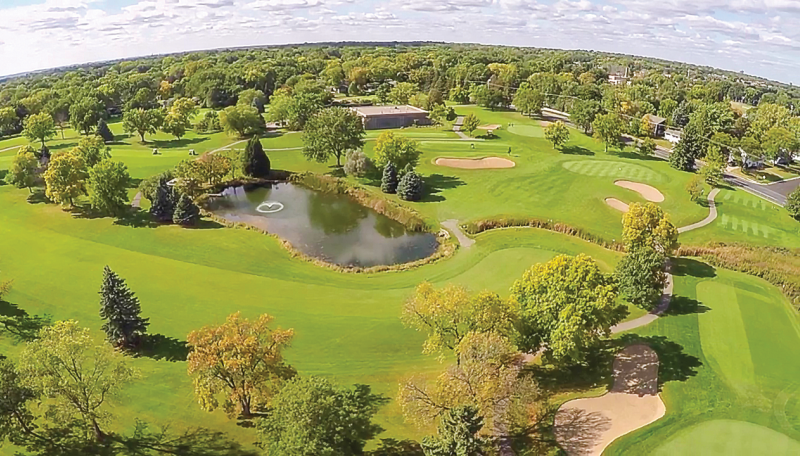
490,127
617,204
476,163
649,193
586,427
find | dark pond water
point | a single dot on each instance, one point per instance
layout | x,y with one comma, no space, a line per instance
327,226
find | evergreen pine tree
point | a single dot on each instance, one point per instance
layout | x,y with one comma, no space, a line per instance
256,162
186,212
457,434
104,132
410,187
120,309
163,203
389,179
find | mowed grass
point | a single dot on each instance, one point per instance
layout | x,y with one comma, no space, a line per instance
743,217
347,326
729,369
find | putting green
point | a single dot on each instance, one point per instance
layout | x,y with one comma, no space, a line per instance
533,131
730,438
615,169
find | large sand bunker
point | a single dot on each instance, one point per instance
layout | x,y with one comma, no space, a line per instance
649,193
617,204
476,163
588,426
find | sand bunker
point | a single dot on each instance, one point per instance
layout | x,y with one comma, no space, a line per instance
476,163
617,204
649,193
588,426
490,127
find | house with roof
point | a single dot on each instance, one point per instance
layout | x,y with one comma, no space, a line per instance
375,117
658,125
673,136
618,75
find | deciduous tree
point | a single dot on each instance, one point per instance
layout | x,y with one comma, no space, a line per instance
566,307
108,187
142,121
241,120
647,225
85,114
646,147
22,173
471,123
641,277
39,127
75,372
448,314
694,187
332,132
396,149
65,178
557,133
608,128
583,114
92,150
240,360
793,203
310,416
527,100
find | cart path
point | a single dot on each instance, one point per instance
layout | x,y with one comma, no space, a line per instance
712,214
452,226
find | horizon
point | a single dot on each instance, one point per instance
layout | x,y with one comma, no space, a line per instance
763,40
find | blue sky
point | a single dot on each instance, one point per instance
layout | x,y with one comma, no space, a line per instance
760,37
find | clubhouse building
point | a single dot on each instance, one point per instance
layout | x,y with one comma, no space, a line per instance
375,117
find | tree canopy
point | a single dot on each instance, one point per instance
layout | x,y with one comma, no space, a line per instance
332,132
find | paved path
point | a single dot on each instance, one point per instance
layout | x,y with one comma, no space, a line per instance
663,305
136,202
712,214
452,226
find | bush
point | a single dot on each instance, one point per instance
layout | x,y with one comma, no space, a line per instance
358,164
389,179
410,186
793,203
695,188
186,212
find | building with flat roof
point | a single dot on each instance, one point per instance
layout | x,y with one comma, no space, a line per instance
375,117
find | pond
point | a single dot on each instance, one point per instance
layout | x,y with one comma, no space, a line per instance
330,227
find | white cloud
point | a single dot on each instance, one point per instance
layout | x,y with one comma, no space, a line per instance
714,32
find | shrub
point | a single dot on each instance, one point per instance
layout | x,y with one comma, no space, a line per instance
358,164
410,186
695,188
389,179
793,203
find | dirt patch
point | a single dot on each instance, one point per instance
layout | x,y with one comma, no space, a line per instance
490,127
648,192
617,204
544,123
588,426
476,163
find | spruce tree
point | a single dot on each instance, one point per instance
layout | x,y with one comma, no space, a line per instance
457,434
104,132
410,187
186,212
389,179
120,309
163,203
256,162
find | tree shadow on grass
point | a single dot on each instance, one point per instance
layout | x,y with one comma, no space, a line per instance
3,174
681,305
576,150
436,183
393,447
633,155
137,218
19,323
176,143
158,346
68,145
683,267
597,370
38,196
674,365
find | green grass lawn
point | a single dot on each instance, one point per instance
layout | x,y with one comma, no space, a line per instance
730,360
347,325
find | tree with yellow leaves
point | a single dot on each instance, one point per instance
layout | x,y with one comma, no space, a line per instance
65,178
450,314
240,360
647,225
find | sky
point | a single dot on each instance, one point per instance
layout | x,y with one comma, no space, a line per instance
759,37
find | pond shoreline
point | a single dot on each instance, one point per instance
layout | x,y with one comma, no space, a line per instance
408,218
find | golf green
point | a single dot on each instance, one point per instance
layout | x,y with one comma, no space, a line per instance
616,170
532,131
730,438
